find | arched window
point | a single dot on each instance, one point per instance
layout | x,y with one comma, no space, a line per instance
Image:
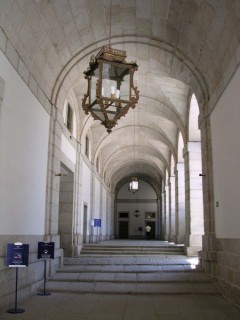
98,165
180,148
87,146
172,166
194,132
69,116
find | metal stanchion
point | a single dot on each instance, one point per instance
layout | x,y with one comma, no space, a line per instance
44,293
16,309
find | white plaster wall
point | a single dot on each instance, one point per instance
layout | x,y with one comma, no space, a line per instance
96,201
86,192
24,130
68,149
225,128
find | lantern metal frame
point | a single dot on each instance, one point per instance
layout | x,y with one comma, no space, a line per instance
109,65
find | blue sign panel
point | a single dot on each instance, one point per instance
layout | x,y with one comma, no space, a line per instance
97,222
45,250
17,254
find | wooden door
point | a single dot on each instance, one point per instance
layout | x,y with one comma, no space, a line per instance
123,229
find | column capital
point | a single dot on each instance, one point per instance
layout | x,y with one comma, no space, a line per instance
192,146
179,167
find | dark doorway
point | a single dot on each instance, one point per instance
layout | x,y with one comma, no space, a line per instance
152,232
123,229
85,224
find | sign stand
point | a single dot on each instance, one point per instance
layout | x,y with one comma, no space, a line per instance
16,309
44,293
17,256
97,223
45,252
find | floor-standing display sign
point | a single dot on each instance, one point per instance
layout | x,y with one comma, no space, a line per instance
17,257
97,224
45,252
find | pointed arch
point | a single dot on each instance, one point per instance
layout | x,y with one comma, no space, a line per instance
193,130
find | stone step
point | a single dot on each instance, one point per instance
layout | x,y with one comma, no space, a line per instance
131,288
149,270
169,276
161,247
127,277
143,268
131,250
139,260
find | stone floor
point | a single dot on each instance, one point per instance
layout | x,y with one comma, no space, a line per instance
124,306
60,306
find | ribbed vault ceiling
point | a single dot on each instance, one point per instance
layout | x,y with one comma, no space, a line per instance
181,46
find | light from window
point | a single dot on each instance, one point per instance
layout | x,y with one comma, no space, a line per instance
97,164
87,147
69,121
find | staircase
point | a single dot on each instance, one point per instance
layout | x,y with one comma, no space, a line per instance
167,249
128,269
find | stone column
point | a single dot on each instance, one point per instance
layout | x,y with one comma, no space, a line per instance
53,185
172,212
194,198
208,255
163,224
159,218
167,212
77,241
180,203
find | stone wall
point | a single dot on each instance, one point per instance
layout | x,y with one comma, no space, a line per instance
228,268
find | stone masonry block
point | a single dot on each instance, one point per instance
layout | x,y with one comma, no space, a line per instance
12,55
3,40
23,71
33,85
41,96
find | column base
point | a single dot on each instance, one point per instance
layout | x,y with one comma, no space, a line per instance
192,251
172,238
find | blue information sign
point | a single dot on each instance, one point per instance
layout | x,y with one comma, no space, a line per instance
97,222
17,254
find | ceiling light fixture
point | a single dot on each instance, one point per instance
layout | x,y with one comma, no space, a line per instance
111,90
133,185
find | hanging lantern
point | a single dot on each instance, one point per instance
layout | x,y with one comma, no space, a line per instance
111,91
136,213
133,185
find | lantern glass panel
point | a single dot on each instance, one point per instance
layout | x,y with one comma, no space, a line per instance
125,91
111,111
133,185
109,89
98,112
115,81
93,91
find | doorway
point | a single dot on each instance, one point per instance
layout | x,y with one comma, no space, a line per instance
152,232
123,229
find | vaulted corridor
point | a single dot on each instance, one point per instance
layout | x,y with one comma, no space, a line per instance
119,121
